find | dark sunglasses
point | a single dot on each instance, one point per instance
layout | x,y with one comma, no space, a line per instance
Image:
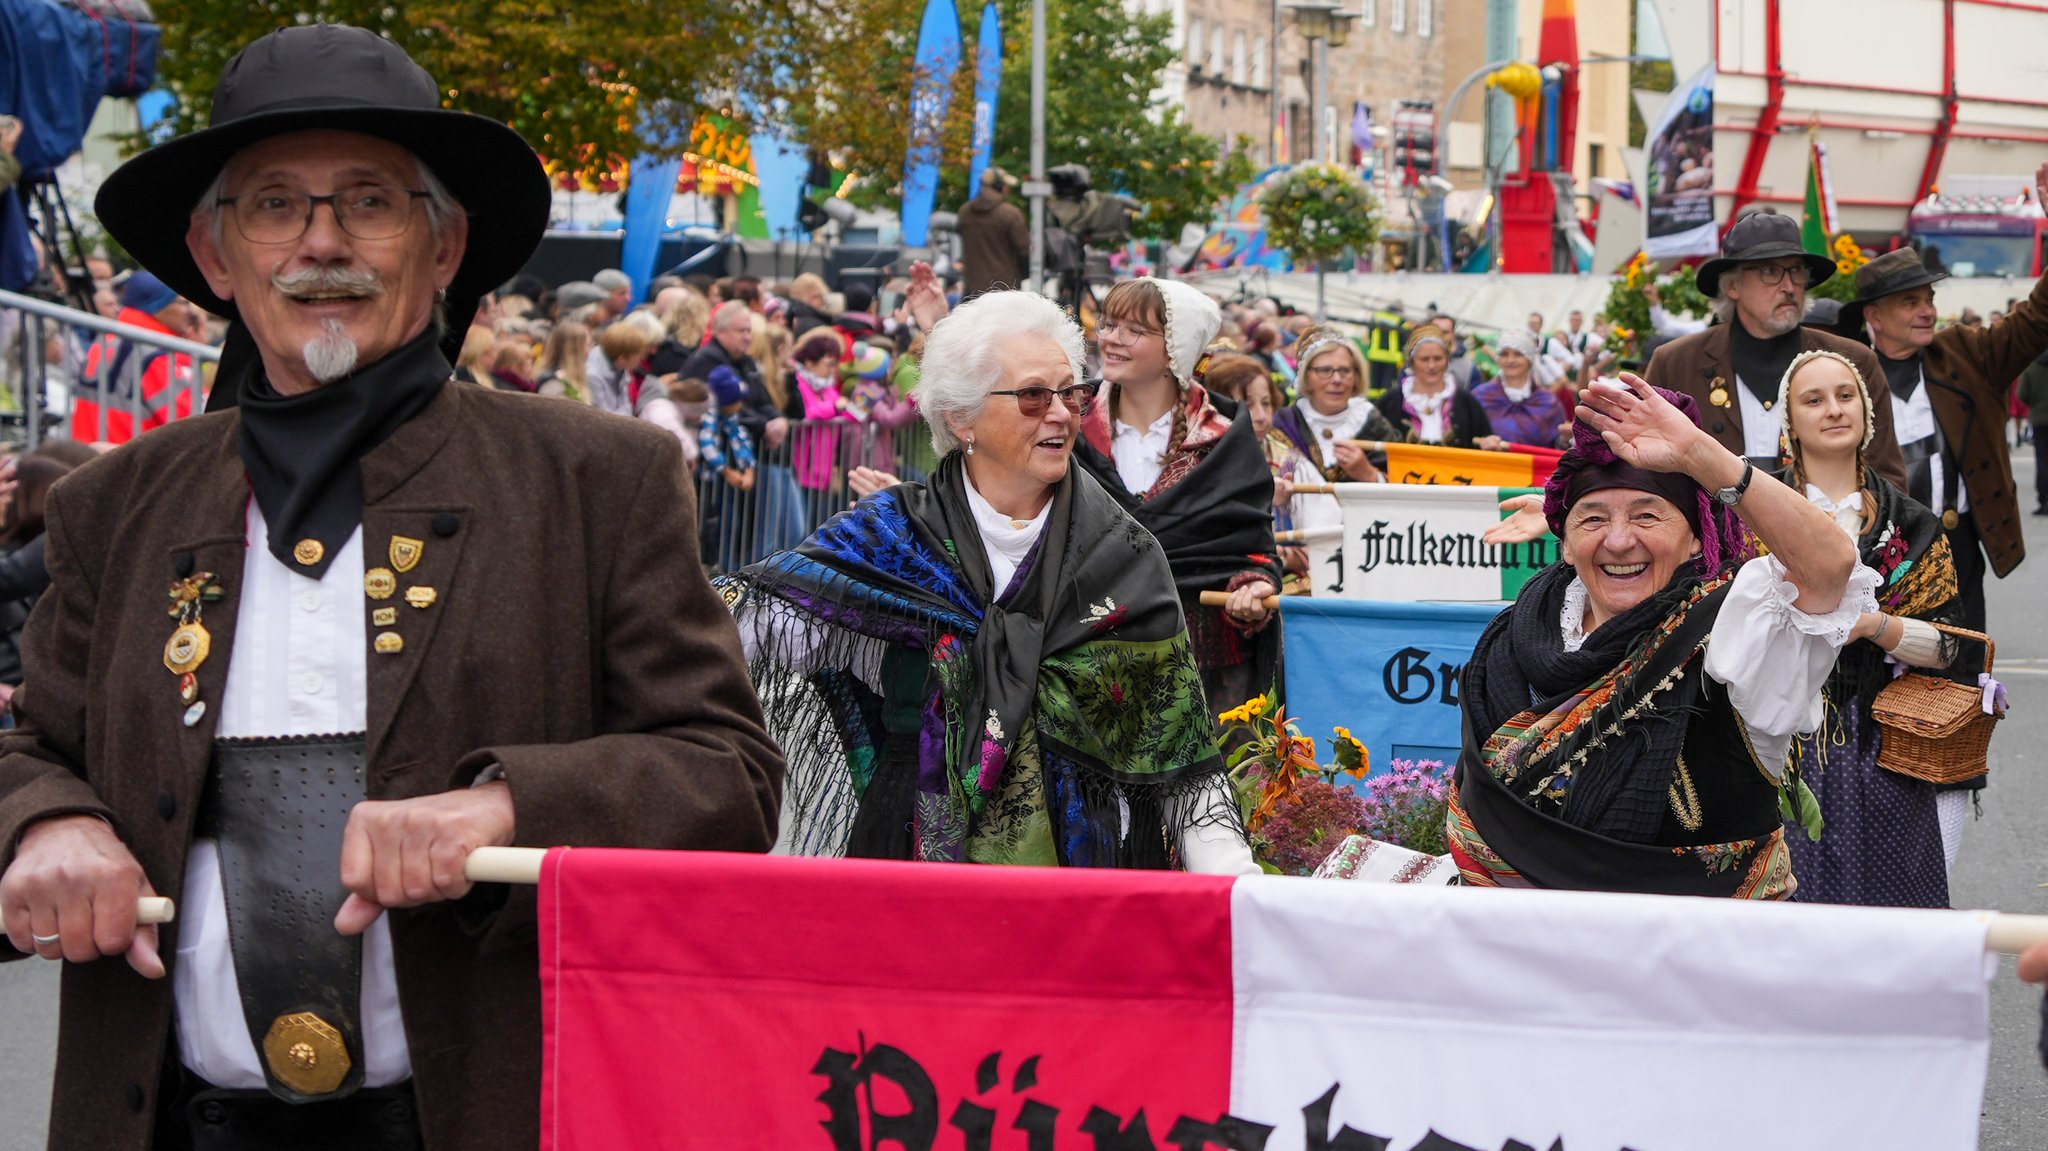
1079,398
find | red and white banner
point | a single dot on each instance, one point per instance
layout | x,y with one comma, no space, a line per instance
716,1001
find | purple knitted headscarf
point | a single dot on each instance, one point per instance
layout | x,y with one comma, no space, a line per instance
1591,466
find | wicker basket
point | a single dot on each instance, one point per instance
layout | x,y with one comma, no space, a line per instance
1936,729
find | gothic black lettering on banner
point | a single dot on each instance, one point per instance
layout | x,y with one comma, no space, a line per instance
905,1116
1415,545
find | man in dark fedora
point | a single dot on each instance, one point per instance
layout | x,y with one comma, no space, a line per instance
1949,401
301,656
1758,287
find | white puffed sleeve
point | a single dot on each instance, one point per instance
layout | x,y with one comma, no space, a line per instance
1214,846
1774,657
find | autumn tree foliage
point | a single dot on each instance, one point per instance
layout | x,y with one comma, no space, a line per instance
575,78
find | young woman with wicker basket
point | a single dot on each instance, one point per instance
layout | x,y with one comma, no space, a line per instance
1882,842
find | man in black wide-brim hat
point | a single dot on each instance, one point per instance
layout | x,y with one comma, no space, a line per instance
1758,287
1950,391
406,619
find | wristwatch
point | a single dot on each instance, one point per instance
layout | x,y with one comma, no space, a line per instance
1729,497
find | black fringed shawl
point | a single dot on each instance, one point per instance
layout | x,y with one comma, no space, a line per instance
1061,723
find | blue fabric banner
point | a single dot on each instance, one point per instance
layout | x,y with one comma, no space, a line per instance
1387,671
650,187
938,57
988,82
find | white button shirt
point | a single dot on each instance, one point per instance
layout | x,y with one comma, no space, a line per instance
1140,453
298,669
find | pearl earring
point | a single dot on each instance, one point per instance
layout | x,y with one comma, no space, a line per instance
970,447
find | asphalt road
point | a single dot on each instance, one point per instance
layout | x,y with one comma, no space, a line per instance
2004,865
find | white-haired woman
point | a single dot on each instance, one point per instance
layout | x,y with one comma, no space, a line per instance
990,666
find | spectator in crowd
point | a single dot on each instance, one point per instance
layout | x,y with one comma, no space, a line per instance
1057,584
777,518
1574,349
1463,368
473,365
1428,406
512,364
809,305
618,292
995,240
564,362
726,464
611,366
684,314
1519,405
581,300
858,321
119,368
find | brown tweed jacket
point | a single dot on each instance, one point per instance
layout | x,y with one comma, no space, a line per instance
1699,363
1969,373
575,640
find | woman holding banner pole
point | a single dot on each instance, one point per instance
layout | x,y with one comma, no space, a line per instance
1333,410
990,667
1627,718
1428,406
1198,482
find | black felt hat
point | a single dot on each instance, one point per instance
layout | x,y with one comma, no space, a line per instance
1888,275
1755,238
332,76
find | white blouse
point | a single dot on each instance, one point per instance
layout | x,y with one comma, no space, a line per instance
1140,453
1006,541
1432,413
1327,430
1848,514
1773,657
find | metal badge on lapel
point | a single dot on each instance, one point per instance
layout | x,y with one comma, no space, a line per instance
406,552
379,583
420,596
190,643
389,643
384,616
1719,395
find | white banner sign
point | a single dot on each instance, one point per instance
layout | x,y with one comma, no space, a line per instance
1413,542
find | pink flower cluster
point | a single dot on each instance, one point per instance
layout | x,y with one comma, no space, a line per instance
1406,805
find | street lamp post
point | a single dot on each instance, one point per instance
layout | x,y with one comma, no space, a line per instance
1340,35
1315,20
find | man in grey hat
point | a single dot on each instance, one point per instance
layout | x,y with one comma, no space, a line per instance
995,240
405,621
1758,285
618,292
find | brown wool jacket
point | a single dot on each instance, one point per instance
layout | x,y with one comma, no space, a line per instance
1701,362
575,640
1969,373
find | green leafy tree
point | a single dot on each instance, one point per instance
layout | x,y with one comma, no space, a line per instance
1103,63
842,75
1316,213
575,79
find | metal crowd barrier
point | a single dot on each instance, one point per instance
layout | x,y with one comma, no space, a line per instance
799,484
47,366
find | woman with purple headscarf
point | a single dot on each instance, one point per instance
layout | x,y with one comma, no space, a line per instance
1627,719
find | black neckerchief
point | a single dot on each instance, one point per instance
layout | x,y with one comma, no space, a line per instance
303,452
1761,363
1903,375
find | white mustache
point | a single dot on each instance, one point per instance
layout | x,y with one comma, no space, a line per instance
329,282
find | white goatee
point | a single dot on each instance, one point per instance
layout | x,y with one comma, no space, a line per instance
331,354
